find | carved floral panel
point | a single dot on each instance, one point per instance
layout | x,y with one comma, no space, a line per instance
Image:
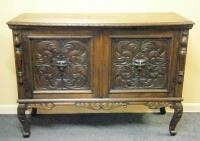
61,64
139,63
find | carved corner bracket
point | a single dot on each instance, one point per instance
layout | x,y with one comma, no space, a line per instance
45,106
101,105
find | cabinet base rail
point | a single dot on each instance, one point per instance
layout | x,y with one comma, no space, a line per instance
101,105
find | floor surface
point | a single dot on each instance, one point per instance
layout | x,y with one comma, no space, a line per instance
102,127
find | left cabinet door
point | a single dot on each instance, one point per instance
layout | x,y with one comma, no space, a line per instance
61,63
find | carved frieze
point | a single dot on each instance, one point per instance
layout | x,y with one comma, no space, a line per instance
101,105
61,64
157,105
139,63
45,106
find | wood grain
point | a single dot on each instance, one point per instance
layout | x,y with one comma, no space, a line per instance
100,61
100,19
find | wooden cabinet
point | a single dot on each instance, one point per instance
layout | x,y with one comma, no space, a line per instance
100,61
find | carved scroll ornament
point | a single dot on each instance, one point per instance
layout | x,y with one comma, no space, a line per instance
139,63
61,64
157,105
45,106
101,105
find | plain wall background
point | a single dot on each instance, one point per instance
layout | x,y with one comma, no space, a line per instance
11,8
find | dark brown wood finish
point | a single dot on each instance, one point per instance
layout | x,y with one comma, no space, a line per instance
100,61
23,119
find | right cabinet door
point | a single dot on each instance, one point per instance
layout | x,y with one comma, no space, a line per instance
140,64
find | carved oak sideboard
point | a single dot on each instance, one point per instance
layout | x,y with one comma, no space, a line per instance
100,61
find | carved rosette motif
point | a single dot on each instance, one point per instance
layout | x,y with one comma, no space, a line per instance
101,105
139,63
61,64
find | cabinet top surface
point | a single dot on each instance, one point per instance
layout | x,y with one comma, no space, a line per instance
97,19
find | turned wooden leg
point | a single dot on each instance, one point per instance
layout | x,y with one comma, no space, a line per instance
23,119
34,112
178,111
162,111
